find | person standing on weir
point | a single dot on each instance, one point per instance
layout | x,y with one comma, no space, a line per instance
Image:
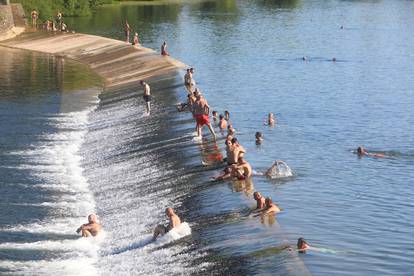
127,30
201,111
147,95
35,16
164,49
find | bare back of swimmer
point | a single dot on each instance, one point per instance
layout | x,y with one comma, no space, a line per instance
174,221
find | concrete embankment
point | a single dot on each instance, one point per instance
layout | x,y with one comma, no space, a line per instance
117,62
12,21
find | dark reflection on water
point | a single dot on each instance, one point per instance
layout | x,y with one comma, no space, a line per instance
280,4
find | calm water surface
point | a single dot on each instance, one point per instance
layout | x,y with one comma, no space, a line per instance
248,60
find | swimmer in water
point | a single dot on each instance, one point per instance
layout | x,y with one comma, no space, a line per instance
271,119
214,114
92,228
259,138
222,124
302,245
174,221
363,152
230,131
226,115
260,201
270,207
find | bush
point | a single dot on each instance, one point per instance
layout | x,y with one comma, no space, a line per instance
48,8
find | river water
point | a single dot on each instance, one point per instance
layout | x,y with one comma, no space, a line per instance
248,60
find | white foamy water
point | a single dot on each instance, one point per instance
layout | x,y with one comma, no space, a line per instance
55,162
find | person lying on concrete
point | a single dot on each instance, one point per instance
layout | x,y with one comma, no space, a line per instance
90,229
174,221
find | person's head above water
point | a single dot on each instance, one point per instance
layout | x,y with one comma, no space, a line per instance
361,150
258,135
141,82
268,202
169,211
234,140
214,113
92,218
302,245
221,117
226,114
192,70
257,195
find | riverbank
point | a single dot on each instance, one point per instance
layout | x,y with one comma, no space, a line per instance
117,62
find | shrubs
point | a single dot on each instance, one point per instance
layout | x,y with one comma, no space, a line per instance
48,8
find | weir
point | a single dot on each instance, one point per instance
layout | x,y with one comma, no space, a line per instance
121,65
117,62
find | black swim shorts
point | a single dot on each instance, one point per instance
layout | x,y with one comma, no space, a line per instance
147,98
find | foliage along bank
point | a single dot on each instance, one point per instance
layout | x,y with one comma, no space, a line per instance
48,8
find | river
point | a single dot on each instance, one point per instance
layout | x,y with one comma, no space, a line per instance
248,57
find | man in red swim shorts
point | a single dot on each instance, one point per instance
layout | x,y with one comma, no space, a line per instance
201,111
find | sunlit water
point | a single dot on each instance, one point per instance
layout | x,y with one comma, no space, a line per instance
248,60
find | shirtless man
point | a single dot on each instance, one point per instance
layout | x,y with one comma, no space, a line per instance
233,151
230,131
174,221
270,207
189,81
242,170
214,114
164,49
260,201
58,19
201,111
222,124
147,95
239,147
127,30
226,115
361,152
91,228
271,119
35,16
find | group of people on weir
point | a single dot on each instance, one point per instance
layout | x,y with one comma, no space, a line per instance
56,24
236,167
